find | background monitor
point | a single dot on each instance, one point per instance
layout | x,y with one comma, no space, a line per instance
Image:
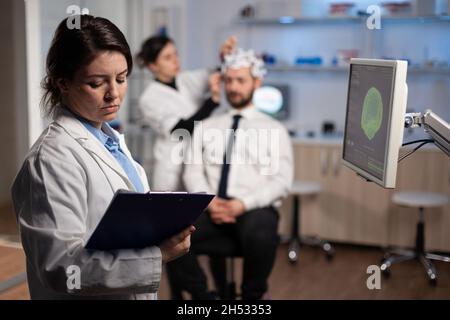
374,125
273,99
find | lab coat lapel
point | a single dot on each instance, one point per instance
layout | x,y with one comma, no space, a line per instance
91,144
102,156
179,98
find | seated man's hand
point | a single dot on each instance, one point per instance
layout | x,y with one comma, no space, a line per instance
235,207
219,217
217,205
220,212
225,211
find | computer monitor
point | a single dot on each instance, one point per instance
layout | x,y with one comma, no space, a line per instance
273,99
375,117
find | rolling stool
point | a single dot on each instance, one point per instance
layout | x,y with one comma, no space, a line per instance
303,188
419,200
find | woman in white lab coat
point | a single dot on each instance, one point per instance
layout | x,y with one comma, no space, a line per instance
73,170
174,101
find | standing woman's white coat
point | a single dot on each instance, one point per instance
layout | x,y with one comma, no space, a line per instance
65,185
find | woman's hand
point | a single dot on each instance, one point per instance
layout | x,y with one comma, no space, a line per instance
214,86
177,245
228,47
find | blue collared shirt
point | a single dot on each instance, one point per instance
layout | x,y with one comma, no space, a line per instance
111,143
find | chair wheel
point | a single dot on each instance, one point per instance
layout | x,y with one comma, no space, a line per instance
293,256
432,282
329,251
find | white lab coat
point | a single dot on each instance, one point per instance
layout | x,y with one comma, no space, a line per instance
64,187
162,107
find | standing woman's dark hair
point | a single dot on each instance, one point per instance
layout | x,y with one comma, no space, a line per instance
151,48
74,48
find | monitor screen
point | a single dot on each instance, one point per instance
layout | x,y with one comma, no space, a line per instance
376,105
273,99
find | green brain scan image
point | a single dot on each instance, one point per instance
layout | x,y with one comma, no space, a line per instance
372,113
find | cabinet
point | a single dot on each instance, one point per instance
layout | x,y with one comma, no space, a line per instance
352,210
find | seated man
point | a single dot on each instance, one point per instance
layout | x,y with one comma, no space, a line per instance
246,159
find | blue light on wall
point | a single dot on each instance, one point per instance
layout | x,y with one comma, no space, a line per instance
286,19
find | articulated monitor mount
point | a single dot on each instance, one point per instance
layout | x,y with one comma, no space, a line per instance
438,128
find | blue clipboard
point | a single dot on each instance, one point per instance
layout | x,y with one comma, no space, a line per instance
139,220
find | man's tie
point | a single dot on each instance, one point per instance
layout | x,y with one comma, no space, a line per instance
227,158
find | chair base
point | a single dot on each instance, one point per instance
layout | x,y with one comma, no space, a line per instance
295,243
398,255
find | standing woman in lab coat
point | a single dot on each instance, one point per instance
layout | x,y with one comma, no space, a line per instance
71,173
174,101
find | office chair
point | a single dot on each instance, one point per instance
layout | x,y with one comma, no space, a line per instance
303,188
223,255
419,200
227,249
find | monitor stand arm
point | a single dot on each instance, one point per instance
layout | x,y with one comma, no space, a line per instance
438,128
